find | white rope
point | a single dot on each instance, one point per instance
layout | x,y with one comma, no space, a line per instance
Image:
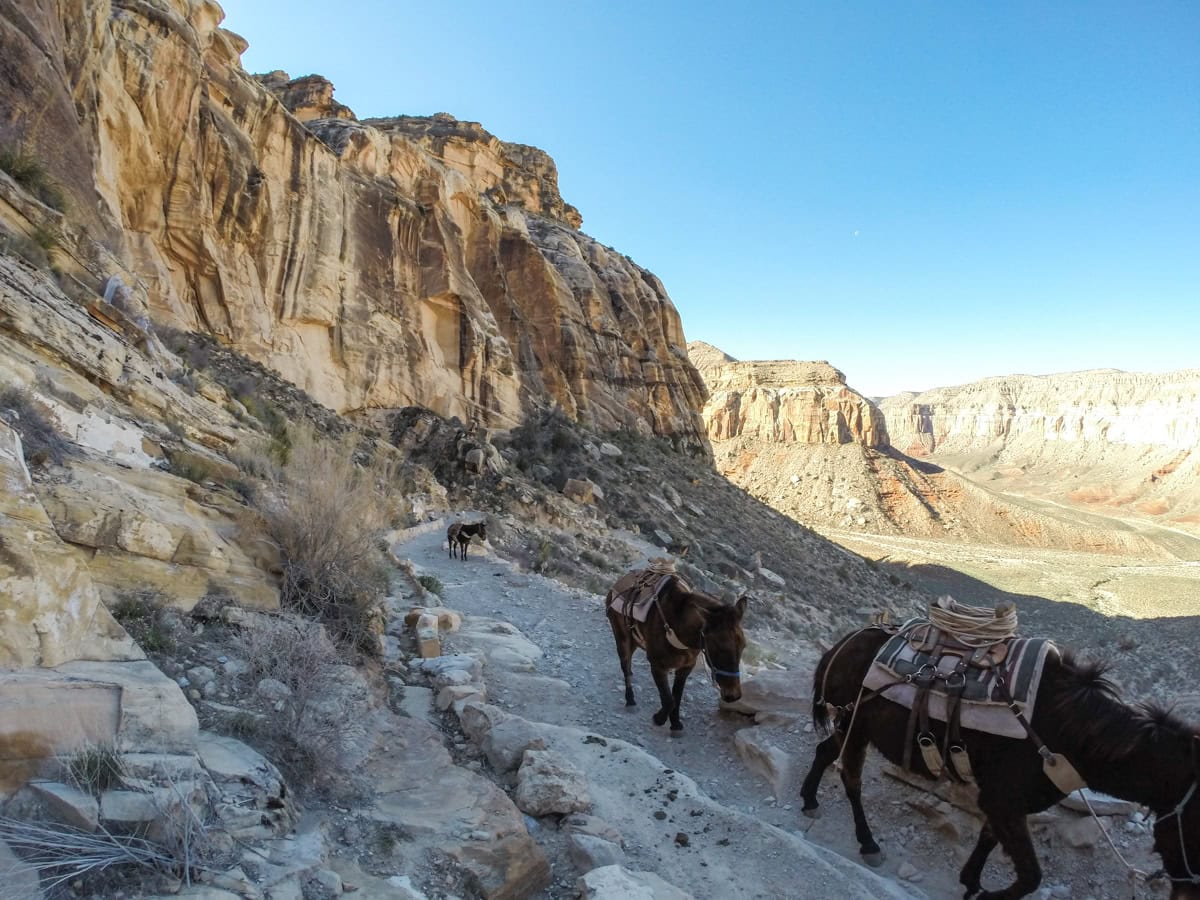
661,565
975,626
1134,873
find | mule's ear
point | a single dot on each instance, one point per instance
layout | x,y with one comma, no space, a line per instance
740,606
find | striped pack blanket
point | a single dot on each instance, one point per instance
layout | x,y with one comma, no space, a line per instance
634,594
983,708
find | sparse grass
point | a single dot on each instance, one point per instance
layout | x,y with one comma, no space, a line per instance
431,583
192,469
95,768
140,613
29,172
60,854
591,557
244,725
41,439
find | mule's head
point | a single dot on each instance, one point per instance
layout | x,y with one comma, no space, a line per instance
724,642
482,531
1177,835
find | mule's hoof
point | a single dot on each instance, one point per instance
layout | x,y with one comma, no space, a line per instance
874,860
631,703
676,731
812,812
659,718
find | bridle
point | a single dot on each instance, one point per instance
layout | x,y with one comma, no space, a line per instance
1177,812
675,642
713,671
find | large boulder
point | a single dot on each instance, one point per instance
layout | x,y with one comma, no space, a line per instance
50,610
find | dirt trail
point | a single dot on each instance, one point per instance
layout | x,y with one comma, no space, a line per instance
570,628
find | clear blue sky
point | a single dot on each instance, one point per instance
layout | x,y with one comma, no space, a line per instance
921,193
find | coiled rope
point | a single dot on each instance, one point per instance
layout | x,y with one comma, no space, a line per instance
661,565
975,626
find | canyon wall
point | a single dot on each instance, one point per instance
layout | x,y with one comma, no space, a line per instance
1118,442
783,401
795,436
375,264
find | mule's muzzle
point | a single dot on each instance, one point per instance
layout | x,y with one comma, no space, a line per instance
731,693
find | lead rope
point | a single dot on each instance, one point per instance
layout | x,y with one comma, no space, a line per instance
1177,812
1134,872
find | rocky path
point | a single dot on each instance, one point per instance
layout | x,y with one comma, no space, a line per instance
577,683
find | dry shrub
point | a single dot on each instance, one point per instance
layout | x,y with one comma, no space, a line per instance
325,516
309,726
41,439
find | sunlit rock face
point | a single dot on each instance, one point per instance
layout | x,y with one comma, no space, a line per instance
1122,442
1102,406
783,401
378,264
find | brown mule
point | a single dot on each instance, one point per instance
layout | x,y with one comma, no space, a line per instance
459,535
684,625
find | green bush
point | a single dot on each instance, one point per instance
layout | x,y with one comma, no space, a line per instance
28,171
140,613
192,469
431,583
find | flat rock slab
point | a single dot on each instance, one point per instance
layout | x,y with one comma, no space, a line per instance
670,826
614,882
452,810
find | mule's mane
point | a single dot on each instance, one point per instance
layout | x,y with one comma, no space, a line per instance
1111,728
704,602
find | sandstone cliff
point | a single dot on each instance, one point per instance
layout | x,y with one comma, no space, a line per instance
1120,441
794,435
783,401
378,264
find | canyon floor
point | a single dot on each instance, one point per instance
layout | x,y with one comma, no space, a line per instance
1144,614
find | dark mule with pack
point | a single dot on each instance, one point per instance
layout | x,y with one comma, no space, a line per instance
1058,725
654,609
459,536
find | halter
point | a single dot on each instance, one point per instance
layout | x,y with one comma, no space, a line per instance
1192,877
703,648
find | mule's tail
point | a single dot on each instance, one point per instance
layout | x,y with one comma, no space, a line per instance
852,665
820,714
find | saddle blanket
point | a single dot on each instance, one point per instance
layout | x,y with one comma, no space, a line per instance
634,594
982,707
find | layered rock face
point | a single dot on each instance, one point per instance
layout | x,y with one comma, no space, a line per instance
1102,406
796,437
783,401
1118,440
379,264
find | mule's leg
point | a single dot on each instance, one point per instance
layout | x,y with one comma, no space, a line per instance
1010,830
973,867
827,752
852,765
681,677
661,681
624,642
